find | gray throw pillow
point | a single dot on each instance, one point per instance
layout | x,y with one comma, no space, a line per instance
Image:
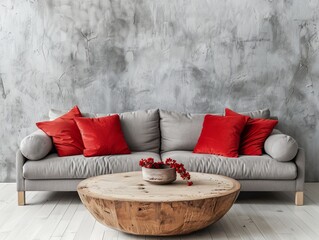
36,145
281,147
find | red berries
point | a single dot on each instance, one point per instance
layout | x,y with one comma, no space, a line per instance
149,163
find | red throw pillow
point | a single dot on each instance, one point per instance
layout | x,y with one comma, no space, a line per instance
255,134
102,136
221,135
65,133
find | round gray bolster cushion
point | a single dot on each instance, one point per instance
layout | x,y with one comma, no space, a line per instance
281,147
36,145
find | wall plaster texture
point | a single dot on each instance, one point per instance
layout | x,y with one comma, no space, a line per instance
182,55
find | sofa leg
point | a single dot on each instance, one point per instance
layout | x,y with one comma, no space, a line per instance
21,198
299,198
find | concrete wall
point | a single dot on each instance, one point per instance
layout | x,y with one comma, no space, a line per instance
183,55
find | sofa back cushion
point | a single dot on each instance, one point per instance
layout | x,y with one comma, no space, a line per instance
54,114
180,131
141,130
262,113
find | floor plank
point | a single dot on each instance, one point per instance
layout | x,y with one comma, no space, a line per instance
66,219
249,228
86,228
217,232
61,216
75,222
31,222
110,234
20,217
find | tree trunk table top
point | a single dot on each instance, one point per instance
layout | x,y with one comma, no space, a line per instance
126,202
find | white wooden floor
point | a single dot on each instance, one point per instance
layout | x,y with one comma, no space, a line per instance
61,216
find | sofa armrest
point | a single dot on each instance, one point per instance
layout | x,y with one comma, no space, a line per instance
300,160
20,160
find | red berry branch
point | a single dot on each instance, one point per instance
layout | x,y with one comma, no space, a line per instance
149,163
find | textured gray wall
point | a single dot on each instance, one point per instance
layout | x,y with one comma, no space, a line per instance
184,55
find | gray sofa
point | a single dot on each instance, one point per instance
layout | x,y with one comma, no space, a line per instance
159,134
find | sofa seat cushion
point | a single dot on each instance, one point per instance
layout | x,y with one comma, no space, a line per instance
78,166
243,168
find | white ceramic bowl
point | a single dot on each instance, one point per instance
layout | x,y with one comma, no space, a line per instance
159,176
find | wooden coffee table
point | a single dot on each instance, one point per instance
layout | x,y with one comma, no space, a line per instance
124,201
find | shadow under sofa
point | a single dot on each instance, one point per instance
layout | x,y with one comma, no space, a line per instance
160,134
